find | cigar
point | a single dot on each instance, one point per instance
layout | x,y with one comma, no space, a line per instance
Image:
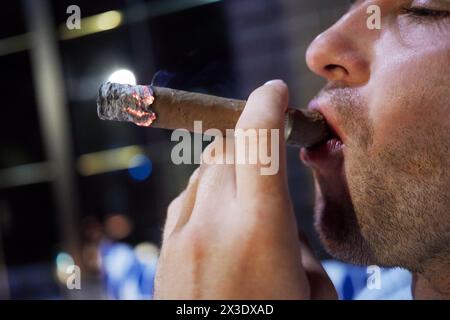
166,108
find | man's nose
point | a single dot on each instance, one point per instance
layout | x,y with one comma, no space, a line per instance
342,54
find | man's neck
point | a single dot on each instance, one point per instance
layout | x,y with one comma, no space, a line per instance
434,284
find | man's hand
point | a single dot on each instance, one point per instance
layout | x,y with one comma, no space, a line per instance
232,233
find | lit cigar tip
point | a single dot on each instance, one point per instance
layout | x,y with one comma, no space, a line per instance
124,102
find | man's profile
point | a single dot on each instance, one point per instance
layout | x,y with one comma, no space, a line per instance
382,179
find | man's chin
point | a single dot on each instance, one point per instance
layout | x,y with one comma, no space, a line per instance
335,217
336,221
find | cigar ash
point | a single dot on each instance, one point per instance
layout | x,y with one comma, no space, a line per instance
126,103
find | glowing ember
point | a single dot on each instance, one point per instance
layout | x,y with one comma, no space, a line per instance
141,118
123,102
148,98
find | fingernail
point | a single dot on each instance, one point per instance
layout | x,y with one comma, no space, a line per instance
276,82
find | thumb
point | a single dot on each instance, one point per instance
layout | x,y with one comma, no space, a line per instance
259,140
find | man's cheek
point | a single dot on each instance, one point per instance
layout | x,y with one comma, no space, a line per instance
398,110
396,127
407,110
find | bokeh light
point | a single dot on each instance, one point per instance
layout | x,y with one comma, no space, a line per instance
118,226
146,252
63,261
109,20
140,167
122,76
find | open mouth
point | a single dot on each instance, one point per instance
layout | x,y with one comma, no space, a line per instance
326,152
327,155
332,144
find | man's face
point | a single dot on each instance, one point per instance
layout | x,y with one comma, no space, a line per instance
383,184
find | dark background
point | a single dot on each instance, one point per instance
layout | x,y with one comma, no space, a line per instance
48,203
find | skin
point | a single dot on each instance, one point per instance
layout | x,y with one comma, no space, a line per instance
233,230
384,197
393,117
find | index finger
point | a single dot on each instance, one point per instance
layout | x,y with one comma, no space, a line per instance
260,130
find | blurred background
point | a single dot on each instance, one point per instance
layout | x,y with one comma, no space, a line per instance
77,190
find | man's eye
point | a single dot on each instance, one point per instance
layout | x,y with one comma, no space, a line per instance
425,13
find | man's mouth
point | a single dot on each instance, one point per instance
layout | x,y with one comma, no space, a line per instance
327,157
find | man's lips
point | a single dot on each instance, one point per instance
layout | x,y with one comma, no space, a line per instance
326,157
329,112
